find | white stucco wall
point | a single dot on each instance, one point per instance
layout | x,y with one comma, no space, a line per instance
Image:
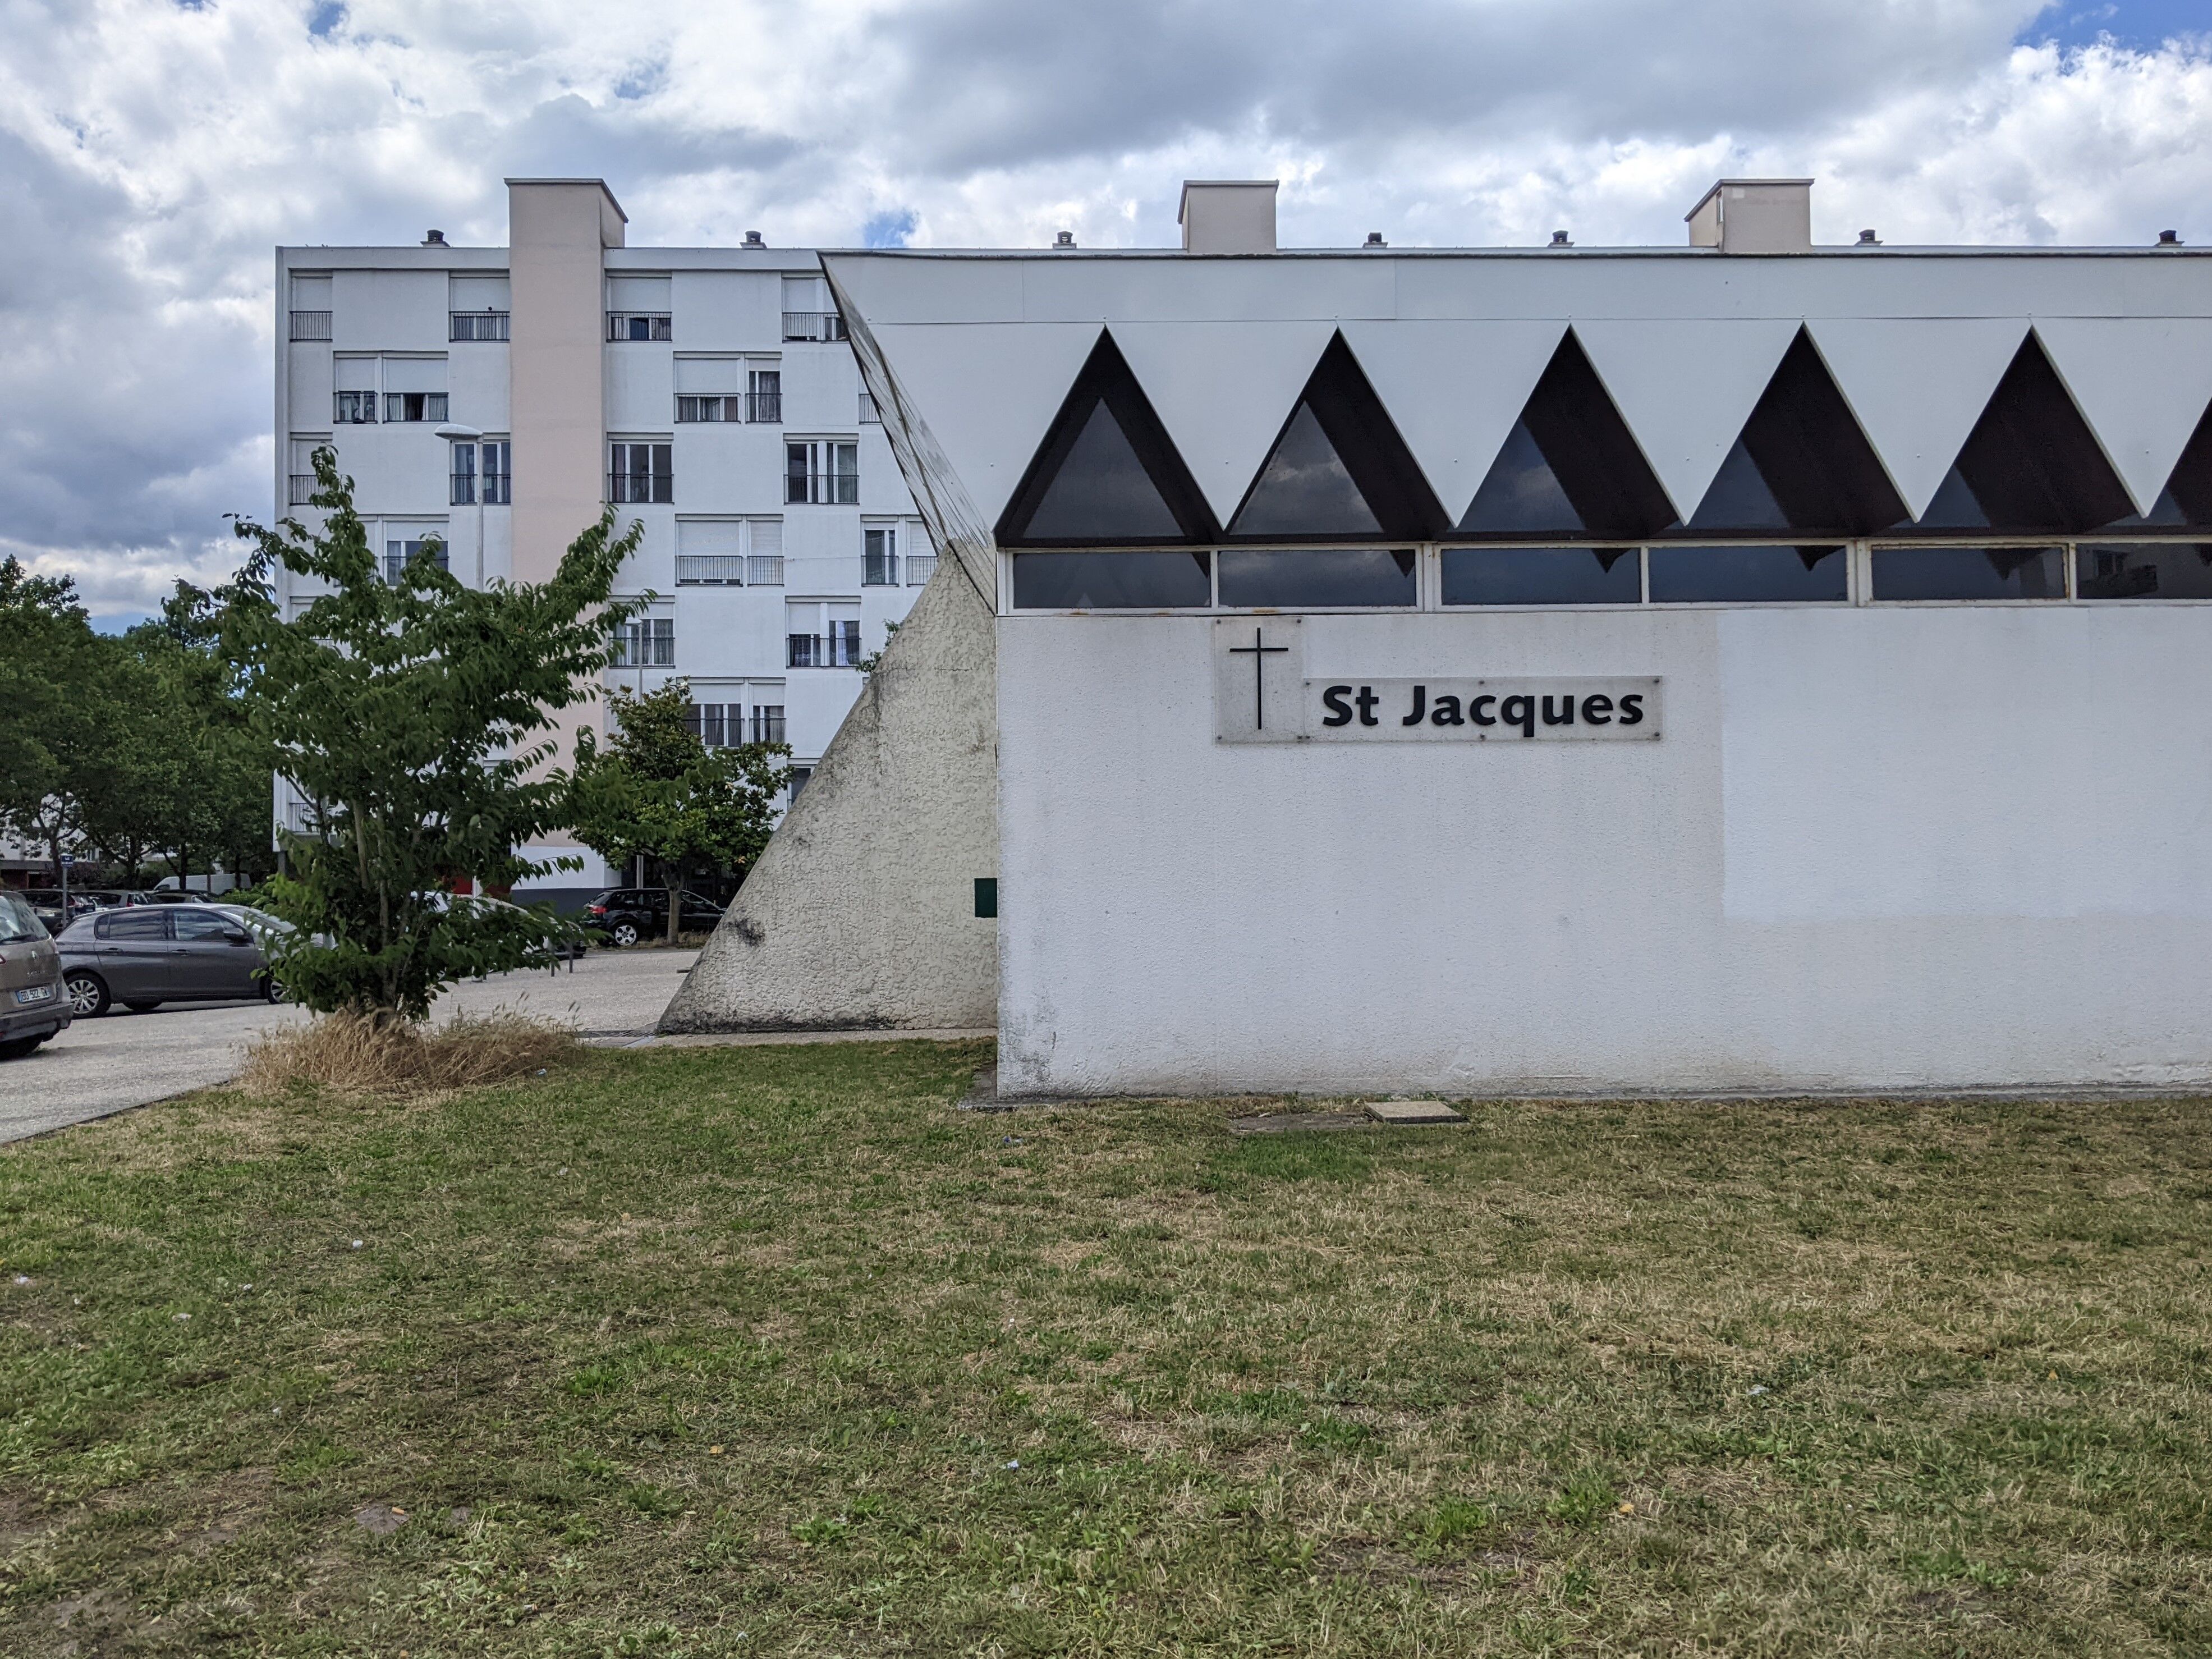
1877,849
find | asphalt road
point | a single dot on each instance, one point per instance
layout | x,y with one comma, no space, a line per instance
123,1059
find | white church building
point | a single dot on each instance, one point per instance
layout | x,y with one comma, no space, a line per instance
1748,666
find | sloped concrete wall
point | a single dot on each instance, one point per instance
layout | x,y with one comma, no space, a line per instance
861,913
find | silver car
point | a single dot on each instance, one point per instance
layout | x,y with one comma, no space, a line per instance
145,955
31,1005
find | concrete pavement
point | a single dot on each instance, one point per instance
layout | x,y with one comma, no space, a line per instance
125,1060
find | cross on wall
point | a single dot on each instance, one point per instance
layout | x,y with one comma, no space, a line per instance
1258,650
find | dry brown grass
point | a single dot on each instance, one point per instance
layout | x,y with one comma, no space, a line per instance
350,1055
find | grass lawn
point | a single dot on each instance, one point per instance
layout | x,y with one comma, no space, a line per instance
770,1350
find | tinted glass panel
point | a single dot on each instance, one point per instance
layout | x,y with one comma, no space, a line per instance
1316,576
1102,491
1542,575
201,924
1111,581
1522,495
1969,573
1305,488
1569,429
2175,570
2030,464
1802,463
134,924
1747,575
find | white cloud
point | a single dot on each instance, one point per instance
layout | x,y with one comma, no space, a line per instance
152,154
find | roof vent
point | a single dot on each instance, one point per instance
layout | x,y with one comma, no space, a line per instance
2169,239
1066,238
753,240
1559,239
1374,240
434,239
1755,216
1868,239
1228,216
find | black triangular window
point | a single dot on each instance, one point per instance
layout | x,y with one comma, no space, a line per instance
1106,474
1569,467
2031,465
1802,462
2187,498
1339,470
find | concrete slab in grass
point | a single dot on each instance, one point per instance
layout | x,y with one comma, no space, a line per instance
1412,1112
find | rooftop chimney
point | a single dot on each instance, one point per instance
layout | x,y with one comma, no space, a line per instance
753,240
1755,216
1228,216
1066,238
1374,240
434,239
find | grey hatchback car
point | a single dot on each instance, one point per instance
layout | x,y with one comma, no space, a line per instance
31,1005
147,955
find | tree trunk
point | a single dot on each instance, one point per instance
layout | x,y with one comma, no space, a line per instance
675,904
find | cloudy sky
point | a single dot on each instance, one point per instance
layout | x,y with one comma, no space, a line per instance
152,152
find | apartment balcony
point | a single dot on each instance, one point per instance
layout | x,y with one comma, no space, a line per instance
710,570
311,324
764,570
302,489
498,490
840,648
879,570
640,488
764,406
813,325
920,568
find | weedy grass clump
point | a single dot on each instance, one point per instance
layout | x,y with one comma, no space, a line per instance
357,1054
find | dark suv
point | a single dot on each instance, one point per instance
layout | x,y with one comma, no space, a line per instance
627,915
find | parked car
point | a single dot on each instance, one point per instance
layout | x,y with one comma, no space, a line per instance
566,942
33,1007
54,911
142,956
627,915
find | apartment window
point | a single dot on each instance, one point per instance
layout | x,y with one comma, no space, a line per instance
402,550
638,325
717,725
764,552
764,395
799,775
355,408
642,473
479,324
492,487
879,560
314,325
414,405
498,476
808,313
768,722
823,472
2144,570
690,411
1967,573
649,642
837,646
870,415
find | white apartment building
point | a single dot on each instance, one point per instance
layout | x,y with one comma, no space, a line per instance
495,398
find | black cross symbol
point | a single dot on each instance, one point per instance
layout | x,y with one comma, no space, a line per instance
1258,650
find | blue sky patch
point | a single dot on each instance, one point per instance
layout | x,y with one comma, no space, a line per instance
2143,24
891,229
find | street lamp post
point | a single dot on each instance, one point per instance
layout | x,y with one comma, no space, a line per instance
452,434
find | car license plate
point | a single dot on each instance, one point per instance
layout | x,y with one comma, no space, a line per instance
35,993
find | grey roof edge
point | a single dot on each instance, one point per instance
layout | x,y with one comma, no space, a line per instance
1830,251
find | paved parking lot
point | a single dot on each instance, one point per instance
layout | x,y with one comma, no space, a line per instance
123,1059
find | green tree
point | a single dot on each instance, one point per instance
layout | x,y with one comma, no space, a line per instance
60,710
658,791
417,715
189,773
